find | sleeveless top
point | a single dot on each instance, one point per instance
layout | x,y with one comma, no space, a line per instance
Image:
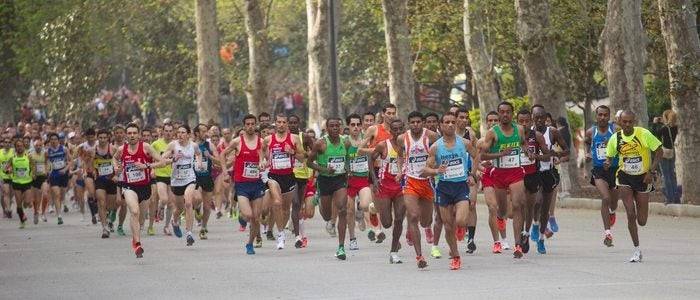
133,175
57,159
21,173
39,158
512,160
455,159
416,154
334,156
547,165
599,142
359,164
206,162
530,166
281,162
183,166
245,167
390,165
103,163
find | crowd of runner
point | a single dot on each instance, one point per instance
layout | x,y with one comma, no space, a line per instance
366,172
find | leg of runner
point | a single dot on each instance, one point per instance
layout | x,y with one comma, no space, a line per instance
58,198
502,207
166,202
250,211
20,197
471,219
131,200
637,208
206,212
36,203
189,213
517,192
437,232
152,210
90,189
297,203
414,211
102,210
350,213
607,208
340,203
491,203
121,206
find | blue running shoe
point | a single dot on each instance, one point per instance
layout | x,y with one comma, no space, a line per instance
249,249
540,247
553,224
177,231
535,232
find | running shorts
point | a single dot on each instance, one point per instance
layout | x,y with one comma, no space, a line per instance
450,193
39,181
252,190
356,184
503,178
180,190
206,183
327,185
419,188
608,176
286,182
634,182
108,185
143,192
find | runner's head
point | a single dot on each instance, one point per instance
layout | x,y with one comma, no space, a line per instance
146,135
367,120
524,118
354,123
505,112
396,128
454,108
281,125
53,140
118,134
627,121
133,134
200,132
227,134
602,115
183,133
462,115
447,124
27,141
539,115
492,119
103,137
19,146
432,121
415,122
293,123
89,135
264,118
38,142
249,122
311,134
388,113
333,127
168,131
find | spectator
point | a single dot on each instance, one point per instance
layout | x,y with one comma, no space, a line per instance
288,104
667,134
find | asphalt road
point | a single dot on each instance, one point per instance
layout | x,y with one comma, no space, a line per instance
48,261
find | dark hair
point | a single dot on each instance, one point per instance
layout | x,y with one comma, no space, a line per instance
416,114
149,129
167,124
103,131
431,114
52,134
442,118
334,118
389,105
538,105
248,117
263,114
133,125
523,111
492,113
196,128
118,127
281,115
90,131
603,107
352,116
369,113
293,116
506,103
462,109
187,128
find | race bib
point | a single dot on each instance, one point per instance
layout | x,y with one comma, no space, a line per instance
181,171
337,163
298,164
511,160
359,165
250,170
58,164
105,170
205,164
633,165
524,159
21,172
417,163
281,161
600,151
455,168
393,166
134,174
40,168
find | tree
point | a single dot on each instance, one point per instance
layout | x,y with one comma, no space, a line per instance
207,61
398,46
319,61
624,56
257,88
480,61
678,25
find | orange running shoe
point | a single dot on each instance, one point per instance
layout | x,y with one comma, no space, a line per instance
456,263
518,253
460,233
373,220
548,233
497,248
421,262
501,224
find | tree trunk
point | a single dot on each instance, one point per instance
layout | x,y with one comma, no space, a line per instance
398,48
622,45
480,61
545,79
319,62
683,54
259,59
208,108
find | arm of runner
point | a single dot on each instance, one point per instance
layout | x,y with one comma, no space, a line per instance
430,169
317,148
158,161
610,151
299,152
488,140
116,160
564,154
654,145
545,153
198,158
378,151
364,145
588,140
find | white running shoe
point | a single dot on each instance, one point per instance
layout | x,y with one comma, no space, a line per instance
280,241
330,228
353,245
637,256
505,245
394,258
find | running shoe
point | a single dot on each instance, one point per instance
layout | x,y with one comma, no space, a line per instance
60,221
409,240
258,242
374,220
380,237
269,235
219,215
166,230
43,218
110,225
22,224
353,245
553,224
525,243
120,230
505,245
241,228
371,235
637,256
613,219
501,224
548,233
299,243
497,248
65,208
105,233
394,258
176,230
190,239
460,233
540,247
330,229
422,264
304,242
429,235
202,234
608,241
471,246
340,254
280,241
36,219
138,250
456,263
51,209
249,249
151,231
535,232
518,253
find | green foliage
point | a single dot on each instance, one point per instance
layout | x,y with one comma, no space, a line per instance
658,98
575,121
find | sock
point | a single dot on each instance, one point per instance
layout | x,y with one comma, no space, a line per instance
92,204
471,231
242,222
302,232
20,212
607,231
636,248
611,211
112,215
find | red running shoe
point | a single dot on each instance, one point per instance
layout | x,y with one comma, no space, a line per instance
501,224
613,218
456,263
497,248
460,233
304,242
518,253
421,262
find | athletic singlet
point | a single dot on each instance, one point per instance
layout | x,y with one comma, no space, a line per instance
334,156
382,135
133,175
599,142
456,161
390,164
359,166
547,165
160,146
512,160
528,165
206,162
21,172
103,163
247,161
634,150
39,159
416,154
183,166
301,170
5,156
119,177
57,159
281,162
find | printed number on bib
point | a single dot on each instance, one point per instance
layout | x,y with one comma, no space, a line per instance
22,172
417,163
455,168
281,161
134,174
359,165
511,160
337,163
40,168
250,170
58,164
600,151
105,169
393,166
633,165
181,171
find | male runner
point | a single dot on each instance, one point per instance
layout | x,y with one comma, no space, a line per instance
205,180
465,130
358,181
639,152
21,166
40,186
302,174
105,187
6,153
162,175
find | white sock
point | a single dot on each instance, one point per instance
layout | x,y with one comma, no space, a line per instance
607,231
301,228
611,211
636,248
